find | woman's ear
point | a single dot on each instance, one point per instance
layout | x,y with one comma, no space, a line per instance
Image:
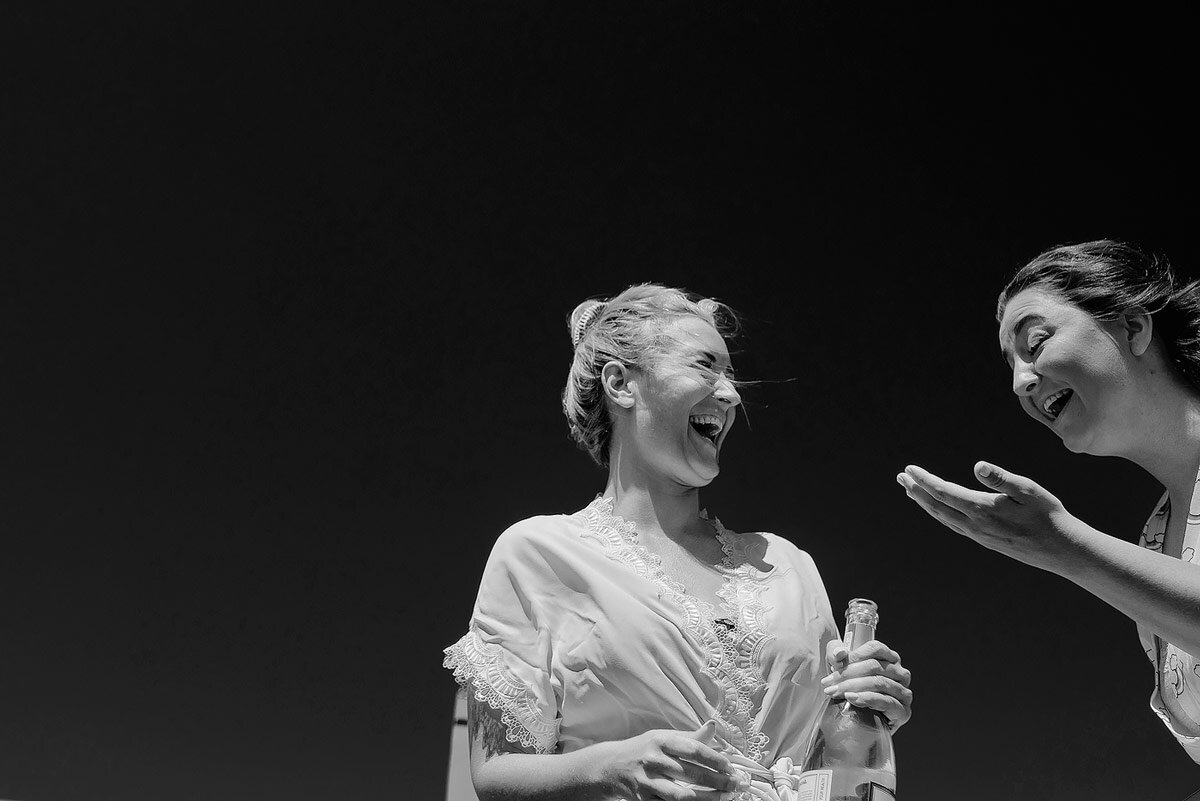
617,383
1139,329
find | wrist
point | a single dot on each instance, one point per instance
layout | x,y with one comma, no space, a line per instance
594,775
1067,559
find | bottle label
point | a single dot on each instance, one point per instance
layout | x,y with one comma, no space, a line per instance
815,785
881,793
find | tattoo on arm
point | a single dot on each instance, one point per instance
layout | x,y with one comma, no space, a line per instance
487,731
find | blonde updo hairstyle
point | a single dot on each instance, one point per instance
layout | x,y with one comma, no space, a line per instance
629,329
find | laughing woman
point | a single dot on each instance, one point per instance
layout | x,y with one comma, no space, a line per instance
1104,345
638,648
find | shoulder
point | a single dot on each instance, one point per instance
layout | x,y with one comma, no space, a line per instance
783,544
772,549
783,549
530,552
538,527
536,532
803,568
777,546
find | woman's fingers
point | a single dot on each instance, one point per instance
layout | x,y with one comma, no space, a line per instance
869,667
692,773
880,685
1017,487
698,762
869,659
874,649
706,732
697,752
889,707
896,713
681,766
837,655
1005,486
672,791
953,495
762,792
944,514
875,678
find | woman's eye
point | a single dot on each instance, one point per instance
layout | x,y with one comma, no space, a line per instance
1035,343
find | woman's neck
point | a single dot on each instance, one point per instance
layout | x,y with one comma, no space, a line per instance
654,506
1168,437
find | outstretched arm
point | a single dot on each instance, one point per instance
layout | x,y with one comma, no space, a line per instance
1020,519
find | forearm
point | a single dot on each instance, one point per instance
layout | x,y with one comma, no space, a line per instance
502,770
540,777
1157,591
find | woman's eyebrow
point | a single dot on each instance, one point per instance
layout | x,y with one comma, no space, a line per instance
1016,329
710,356
1032,317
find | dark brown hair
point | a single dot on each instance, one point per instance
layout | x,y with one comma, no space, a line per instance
1107,278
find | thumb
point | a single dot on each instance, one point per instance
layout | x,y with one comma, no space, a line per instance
837,655
705,732
1011,484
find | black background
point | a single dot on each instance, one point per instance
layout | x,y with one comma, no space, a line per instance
283,320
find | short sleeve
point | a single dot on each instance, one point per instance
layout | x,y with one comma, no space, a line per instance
506,656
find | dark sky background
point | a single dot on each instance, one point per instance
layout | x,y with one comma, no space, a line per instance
283,332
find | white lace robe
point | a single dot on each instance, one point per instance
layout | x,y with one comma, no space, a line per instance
1176,696
578,636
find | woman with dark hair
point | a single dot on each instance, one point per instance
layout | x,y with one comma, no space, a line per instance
1104,345
638,648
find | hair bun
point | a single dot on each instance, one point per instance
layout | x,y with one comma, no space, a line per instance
584,315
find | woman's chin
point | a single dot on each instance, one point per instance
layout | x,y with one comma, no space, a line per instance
707,474
699,475
1081,445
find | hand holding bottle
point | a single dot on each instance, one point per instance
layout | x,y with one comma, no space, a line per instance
870,676
850,756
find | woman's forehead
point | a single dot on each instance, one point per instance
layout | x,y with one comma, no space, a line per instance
695,334
1032,299
1031,304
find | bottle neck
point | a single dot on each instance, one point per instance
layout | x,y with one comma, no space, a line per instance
858,633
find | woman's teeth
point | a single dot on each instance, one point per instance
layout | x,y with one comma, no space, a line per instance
1053,405
706,425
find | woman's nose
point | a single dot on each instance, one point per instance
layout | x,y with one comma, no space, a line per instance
1025,380
726,392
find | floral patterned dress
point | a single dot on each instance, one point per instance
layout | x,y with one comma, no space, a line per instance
579,636
1176,696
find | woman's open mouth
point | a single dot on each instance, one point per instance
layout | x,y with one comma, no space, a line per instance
1053,405
706,425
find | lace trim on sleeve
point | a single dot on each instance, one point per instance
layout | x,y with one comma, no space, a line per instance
480,665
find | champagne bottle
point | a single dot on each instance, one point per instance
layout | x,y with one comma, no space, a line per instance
850,756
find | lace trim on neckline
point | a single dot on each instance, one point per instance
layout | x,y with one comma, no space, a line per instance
734,656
